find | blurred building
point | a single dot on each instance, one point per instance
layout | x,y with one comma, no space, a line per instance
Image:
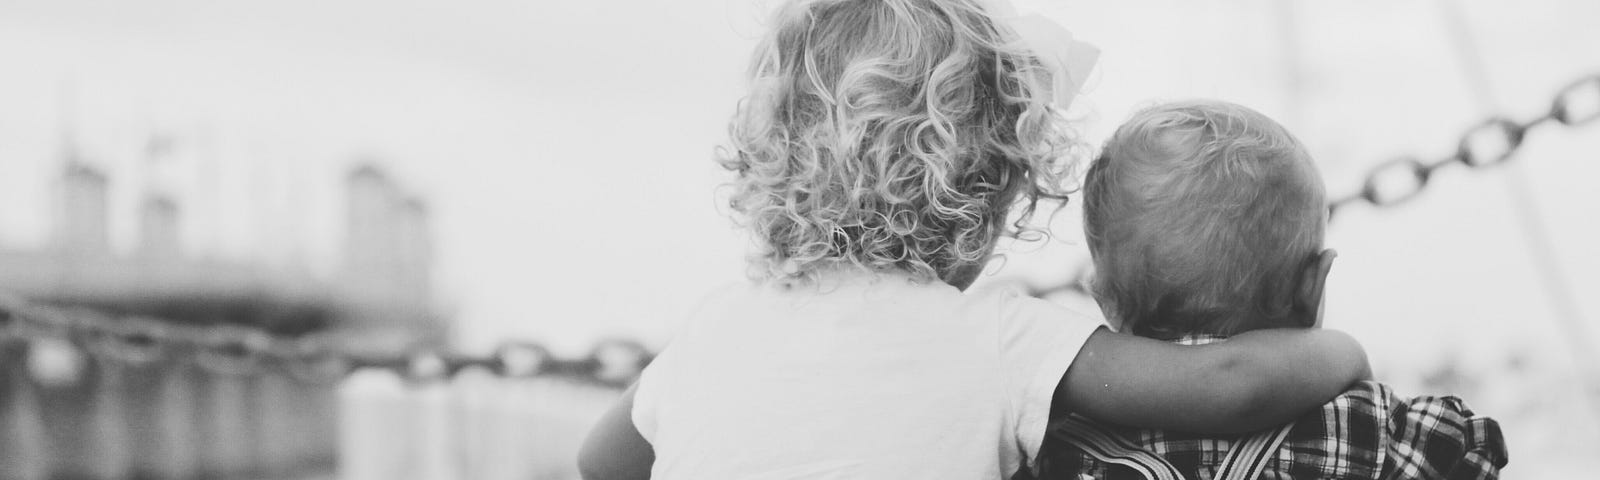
387,241
82,214
70,409
383,289
386,276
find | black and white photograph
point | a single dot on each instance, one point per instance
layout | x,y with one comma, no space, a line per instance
799,239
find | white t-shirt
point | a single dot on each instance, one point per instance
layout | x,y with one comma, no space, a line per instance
863,377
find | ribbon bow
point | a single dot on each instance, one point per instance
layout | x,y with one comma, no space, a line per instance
1067,61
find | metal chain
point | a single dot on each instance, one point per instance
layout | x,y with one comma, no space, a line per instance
1491,142
235,350
313,360
134,341
241,350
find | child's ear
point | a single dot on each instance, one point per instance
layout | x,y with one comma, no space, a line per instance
1313,279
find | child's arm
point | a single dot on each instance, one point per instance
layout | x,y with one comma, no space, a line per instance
1249,382
615,450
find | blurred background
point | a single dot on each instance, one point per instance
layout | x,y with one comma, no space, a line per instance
503,207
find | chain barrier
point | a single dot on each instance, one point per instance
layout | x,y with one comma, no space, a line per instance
1489,143
314,361
236,350
241,350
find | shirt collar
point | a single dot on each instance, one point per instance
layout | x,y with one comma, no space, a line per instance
1199,339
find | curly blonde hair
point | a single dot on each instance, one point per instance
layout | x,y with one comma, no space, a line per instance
892,134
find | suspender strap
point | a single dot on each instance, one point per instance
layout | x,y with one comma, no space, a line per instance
1245,461
1248,458
1109,447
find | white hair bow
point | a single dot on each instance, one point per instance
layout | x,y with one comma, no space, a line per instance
1066,60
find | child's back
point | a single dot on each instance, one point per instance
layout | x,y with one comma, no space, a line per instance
847,381
877,155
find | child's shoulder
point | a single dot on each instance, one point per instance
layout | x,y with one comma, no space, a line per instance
1016,303
722,297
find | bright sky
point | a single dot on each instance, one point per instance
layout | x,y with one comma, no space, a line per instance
566,146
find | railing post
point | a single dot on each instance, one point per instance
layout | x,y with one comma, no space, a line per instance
161,419
110,443
23,454
82,414
434,445
224,420
316,423
374,428
277,433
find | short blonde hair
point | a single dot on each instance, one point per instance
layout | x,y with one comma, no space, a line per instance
890,134
1200,216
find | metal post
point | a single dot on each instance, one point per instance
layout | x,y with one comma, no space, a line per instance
22,437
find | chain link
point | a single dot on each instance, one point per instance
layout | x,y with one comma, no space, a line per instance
231,349
235,350
134,341
618,361
519,360
27,321
1579,103
313,360
1490,143
1396,181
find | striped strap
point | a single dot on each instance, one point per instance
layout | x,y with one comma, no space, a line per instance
1109,447
1248,458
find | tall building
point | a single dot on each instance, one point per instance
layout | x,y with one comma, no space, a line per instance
159,227
81,226
387,244
416,247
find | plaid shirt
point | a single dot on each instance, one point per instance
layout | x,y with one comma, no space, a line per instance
1366,432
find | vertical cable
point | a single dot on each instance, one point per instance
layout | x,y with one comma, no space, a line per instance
1535,233
1291,54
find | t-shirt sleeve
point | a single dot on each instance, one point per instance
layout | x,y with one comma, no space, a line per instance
658,378
647,397
1038,341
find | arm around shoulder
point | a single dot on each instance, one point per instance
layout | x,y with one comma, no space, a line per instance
1252,381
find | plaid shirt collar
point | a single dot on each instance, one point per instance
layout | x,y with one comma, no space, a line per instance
1366,432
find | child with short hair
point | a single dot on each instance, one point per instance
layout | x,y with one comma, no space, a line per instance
877,160
1205,220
